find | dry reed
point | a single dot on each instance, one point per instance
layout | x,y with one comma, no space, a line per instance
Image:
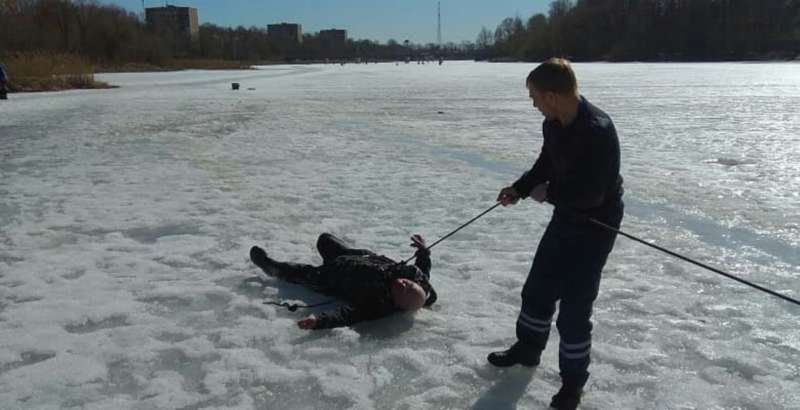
43,71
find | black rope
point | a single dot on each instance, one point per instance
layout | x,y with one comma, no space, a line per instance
677,255
456,230
700,264
294,306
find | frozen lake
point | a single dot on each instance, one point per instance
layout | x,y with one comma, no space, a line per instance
127,215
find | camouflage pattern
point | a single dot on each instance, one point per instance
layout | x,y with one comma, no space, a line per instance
364,283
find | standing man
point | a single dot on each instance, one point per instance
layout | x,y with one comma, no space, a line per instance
578,172
3,83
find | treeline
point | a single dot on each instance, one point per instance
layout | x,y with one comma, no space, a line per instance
104,34
108,35
612,30
650,30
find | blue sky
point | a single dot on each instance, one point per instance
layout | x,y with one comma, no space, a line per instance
380,20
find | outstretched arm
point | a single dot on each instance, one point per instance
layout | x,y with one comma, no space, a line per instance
423,262
343,316
423,255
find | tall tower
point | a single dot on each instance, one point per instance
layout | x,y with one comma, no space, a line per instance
439,24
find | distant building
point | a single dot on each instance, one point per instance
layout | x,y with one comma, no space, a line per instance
333,41
171,18
285,34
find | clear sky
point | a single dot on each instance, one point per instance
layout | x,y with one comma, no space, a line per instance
380,20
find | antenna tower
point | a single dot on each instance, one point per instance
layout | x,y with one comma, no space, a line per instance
439,24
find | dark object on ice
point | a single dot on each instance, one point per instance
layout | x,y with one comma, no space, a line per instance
517,354
730,162
440,112
234,86
567,398
370,286
3,83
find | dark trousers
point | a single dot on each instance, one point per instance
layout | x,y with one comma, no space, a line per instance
567,268
317,277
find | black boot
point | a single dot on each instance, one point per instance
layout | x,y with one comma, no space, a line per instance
259,257
516,354
568,397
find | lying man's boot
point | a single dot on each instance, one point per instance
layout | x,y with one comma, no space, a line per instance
568,397
517,354
259,257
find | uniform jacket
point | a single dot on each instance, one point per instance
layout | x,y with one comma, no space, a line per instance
581,164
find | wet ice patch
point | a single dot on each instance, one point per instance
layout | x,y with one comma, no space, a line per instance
90,325
151,234
730,162
27,358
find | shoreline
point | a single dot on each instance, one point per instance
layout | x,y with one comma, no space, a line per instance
753,60
37,85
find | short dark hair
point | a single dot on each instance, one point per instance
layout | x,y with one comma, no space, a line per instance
554,75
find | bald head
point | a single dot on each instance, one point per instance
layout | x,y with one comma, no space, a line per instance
407,294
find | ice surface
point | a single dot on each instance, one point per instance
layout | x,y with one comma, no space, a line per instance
127,215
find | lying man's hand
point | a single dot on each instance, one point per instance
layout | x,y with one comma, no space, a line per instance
419,243
308,322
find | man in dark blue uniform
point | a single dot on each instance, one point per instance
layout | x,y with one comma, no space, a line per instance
370,286
578,172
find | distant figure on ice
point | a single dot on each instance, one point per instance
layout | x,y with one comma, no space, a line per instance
371,286
3,83
577,171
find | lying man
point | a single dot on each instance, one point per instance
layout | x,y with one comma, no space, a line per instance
371,286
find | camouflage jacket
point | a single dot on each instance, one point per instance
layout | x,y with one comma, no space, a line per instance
363,283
